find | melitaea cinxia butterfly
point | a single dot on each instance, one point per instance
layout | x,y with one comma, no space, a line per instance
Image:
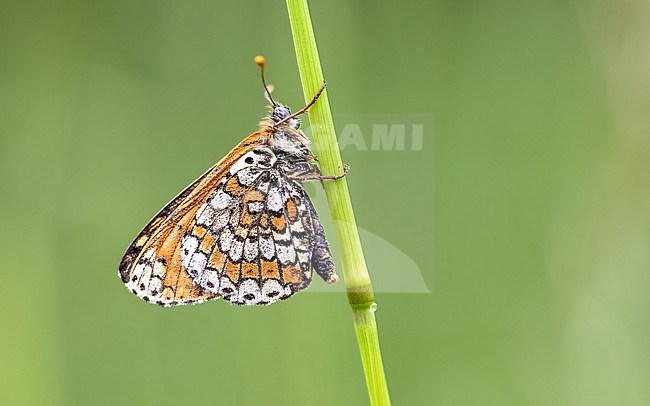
245,230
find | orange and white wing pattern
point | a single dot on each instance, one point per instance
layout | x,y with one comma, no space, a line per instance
245,231
151,267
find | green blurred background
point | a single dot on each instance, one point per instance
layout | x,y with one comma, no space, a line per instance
534,184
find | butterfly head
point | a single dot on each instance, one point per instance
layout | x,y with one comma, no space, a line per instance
280,112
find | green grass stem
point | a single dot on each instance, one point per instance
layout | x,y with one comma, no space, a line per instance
355,273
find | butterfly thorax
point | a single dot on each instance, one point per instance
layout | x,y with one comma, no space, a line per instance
286,138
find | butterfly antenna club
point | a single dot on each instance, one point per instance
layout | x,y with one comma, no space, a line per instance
261,62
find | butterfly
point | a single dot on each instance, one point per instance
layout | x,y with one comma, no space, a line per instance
245,231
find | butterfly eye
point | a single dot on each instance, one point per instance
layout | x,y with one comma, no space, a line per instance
280,112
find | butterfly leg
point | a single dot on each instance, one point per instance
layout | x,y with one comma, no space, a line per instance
314,157
346,169
310,171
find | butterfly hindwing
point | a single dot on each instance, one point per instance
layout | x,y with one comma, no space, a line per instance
257,243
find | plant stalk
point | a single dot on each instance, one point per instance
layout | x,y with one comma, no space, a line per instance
355,273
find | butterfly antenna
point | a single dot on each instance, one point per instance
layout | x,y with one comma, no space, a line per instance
304,109
261,61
